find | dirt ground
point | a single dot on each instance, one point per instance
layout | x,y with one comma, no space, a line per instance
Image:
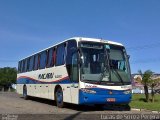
14,106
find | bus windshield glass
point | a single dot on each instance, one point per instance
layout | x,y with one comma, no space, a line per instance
104,64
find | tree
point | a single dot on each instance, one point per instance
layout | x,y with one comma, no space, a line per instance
8,76
153,83
146,78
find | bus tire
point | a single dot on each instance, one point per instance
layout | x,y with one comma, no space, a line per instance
99,106
127,107
59,97
25,96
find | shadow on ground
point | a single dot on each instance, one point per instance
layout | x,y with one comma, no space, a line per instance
143,99
83,107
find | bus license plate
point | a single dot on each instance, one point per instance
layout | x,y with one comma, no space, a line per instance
111,99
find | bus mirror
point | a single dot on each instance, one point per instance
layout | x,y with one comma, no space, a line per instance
79,58
128,56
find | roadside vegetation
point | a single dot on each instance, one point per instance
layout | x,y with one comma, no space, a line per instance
8,77
147,80
139,102
147,101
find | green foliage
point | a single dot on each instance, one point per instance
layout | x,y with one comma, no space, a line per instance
154,82
138,101
7,76
146,78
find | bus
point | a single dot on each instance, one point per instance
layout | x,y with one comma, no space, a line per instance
78,70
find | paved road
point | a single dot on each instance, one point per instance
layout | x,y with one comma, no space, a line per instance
35,108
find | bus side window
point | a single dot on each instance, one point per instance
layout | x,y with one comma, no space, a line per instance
65,52
36,62
43,57
24,67
71,49
38,65
19,67
23,64
31,63
50,62
54,57
74,69
28,63
60,54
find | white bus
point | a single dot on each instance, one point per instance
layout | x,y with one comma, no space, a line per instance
79,71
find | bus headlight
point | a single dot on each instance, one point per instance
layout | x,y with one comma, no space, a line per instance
127,92
88,91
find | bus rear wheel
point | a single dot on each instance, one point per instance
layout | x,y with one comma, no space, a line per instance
59,97
25,96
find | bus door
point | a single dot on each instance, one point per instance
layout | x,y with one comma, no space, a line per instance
74,88
72,69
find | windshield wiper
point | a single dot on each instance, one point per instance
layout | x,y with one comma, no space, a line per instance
106,67
102,75
121,80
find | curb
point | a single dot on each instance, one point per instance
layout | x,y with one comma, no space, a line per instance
135,109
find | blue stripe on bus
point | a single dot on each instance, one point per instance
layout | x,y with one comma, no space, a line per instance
28,80
101,95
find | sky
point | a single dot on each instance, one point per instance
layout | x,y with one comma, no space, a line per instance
28,26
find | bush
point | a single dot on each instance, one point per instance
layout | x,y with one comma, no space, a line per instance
8,76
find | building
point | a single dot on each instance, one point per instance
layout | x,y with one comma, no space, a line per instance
138,87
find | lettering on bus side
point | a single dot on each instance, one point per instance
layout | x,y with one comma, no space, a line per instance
90,86
58,76
46,76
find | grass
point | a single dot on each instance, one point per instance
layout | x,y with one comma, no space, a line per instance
138,101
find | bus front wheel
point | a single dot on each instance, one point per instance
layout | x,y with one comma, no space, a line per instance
127,107
59,97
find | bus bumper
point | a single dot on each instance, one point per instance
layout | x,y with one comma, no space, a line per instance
91,98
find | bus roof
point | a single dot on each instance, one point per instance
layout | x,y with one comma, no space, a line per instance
78,39
96,40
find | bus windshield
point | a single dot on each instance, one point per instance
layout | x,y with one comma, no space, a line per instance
104,64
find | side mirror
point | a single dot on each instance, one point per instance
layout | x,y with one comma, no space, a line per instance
79,58
128,56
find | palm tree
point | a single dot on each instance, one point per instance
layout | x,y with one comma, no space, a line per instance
153,83
146,78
